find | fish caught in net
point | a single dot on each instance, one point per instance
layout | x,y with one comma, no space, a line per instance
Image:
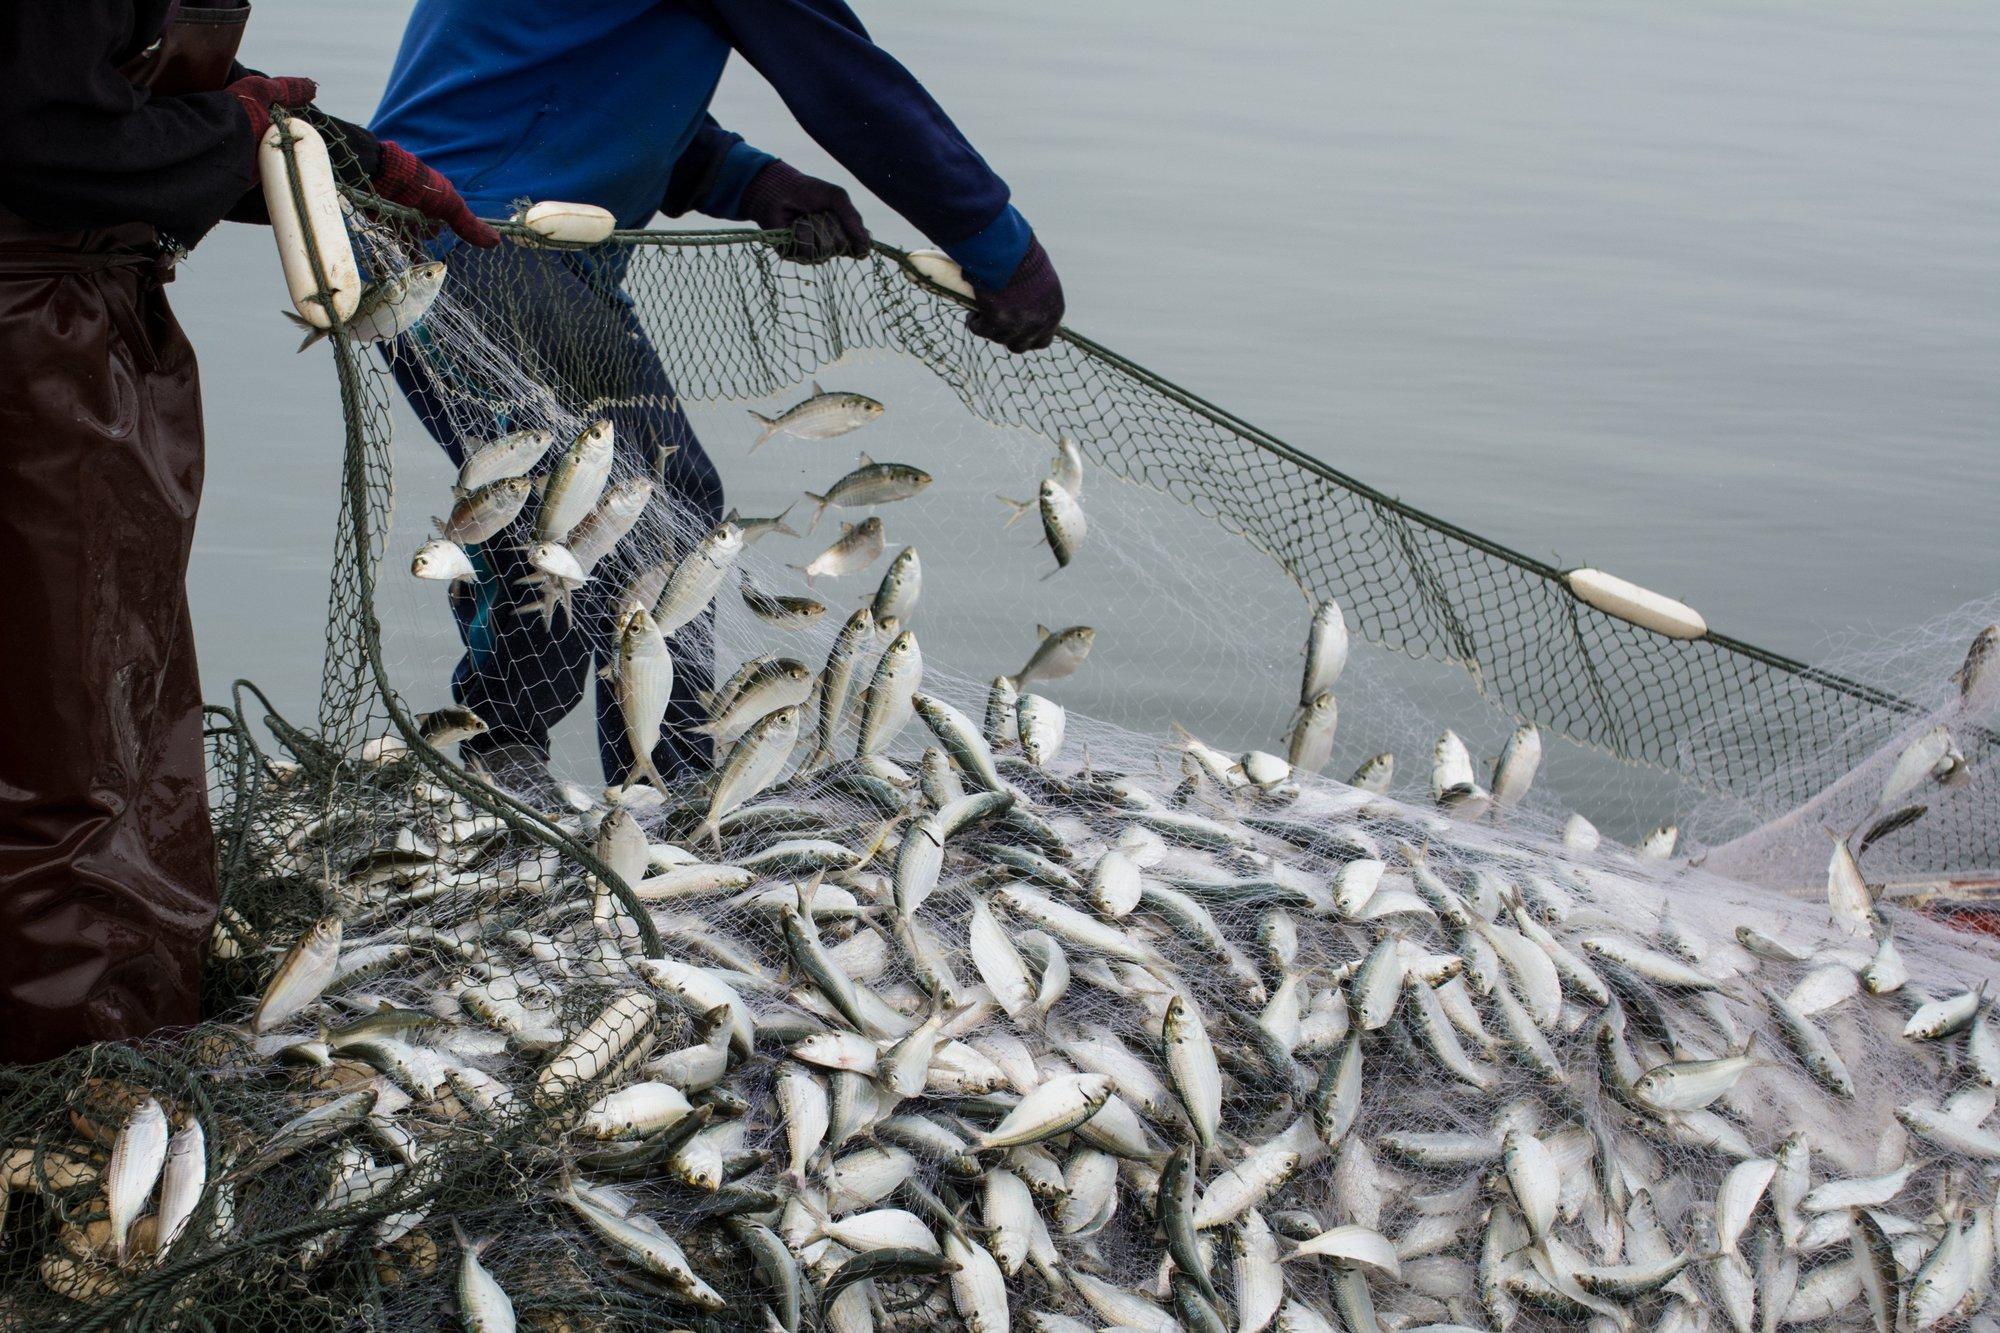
968,989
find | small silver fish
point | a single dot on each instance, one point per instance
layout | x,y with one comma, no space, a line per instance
1326,651
575,483
387,307
871,483
1059,654
755,528
449,726
643,680
822,416
859,546
899,590
485,512
696,580
778,610
1311,744
511,455
443,561
1375,775
1974,674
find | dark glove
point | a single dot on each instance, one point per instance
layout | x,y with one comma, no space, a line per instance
402,178
818,213
257,95
1025,314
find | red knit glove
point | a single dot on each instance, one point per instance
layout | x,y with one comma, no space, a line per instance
404,179
258,95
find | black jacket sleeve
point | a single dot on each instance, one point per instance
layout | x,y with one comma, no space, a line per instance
82,147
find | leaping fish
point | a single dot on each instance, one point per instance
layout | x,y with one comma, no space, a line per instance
823,416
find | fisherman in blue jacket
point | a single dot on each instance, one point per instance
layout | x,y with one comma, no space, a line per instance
606,102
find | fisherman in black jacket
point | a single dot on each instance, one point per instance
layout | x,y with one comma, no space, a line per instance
127,131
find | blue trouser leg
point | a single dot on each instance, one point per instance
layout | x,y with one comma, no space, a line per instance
568,325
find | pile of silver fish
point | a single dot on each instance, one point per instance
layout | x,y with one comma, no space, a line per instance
916,1016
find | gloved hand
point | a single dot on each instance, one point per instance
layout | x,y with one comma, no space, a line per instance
818,213
1025,314
258,94
402,178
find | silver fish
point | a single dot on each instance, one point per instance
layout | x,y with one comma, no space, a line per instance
387,307
871,483
1326,651
1311,745
823,416
575,483
1059,654
897,596
754,764
485,512
836,682
512,455
307,970
1514,770
778,610
137,1157
696,580
891,694
1975,673
1375,775
756,528
443,561
643,680
859,546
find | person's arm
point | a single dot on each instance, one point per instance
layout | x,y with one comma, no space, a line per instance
712,173
81,147
860,104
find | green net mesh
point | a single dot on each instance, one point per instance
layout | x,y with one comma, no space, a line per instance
617,1079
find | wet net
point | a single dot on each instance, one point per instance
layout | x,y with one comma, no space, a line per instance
966,991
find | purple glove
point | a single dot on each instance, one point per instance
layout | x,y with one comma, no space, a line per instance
818,213
1026,313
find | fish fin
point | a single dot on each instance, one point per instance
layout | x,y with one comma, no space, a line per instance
644,766
805,571
731,516
1051,574
1043,632
1021,509
438,523
866,461
817,391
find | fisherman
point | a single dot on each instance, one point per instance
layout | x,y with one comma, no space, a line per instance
127,131
606,102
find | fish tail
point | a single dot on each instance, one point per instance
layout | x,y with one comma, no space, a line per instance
651,772
313,331
770,425
778,524
1020,508
819,508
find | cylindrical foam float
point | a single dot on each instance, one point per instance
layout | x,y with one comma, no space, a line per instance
320,220
1640,606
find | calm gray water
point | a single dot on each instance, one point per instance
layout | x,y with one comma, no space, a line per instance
1707,295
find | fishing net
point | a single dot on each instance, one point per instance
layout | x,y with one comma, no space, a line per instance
811,1056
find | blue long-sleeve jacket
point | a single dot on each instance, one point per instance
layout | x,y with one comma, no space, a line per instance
606,102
